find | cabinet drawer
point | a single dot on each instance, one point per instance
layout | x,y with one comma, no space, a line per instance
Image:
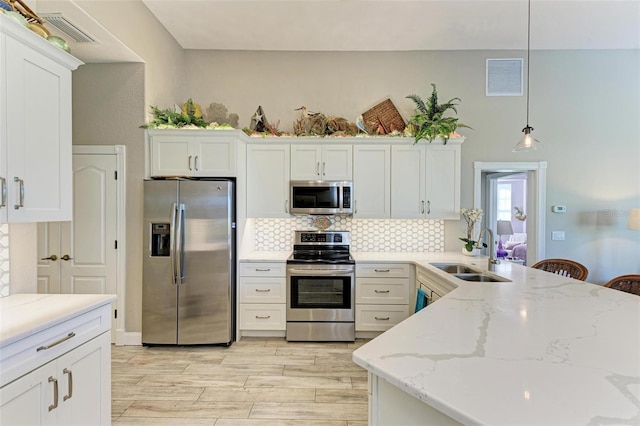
379,317
256,316
262,290
380,291
259,269
22,356
383,270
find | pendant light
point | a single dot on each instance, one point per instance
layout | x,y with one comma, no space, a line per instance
528,142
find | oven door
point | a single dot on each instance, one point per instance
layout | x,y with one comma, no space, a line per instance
320,293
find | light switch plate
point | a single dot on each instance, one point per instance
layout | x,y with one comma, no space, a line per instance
557,235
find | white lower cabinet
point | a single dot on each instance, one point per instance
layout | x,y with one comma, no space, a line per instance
433,286
70,388
383,294
262,297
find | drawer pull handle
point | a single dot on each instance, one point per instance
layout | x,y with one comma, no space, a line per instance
263,270
57,342
259,290
382,319
70,384
265,317
382,291
55,393
382,270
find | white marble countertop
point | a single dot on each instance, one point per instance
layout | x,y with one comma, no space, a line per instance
22,315
539,350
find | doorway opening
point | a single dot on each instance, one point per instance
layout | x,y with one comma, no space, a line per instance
499,187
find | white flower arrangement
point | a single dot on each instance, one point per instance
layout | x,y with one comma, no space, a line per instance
471,217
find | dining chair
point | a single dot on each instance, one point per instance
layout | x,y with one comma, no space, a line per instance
627,283
565,267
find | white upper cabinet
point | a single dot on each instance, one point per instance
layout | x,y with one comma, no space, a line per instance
321,162
372,181
425,181
193,153
267,180
35,127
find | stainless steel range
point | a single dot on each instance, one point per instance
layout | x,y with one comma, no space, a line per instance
321,288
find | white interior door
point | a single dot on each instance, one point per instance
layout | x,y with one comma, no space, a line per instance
84,250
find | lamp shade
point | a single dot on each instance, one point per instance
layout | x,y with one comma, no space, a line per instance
504,227
634,219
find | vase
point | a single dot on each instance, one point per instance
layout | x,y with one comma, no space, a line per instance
474,252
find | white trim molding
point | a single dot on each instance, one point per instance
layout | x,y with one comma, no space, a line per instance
539,169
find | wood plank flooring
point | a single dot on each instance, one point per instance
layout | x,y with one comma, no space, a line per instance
254,382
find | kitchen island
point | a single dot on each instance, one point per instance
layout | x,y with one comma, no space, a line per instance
540,349
55,359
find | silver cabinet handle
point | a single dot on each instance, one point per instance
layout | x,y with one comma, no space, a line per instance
355,207
263,269
21,190
55,393
382,318
324,168
57,342
263,291
382,291
69,384
318,168
4,192
422,207
190,157
263,317
195,163
286,206
428,207
382,270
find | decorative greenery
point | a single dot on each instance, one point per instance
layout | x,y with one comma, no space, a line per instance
471,217
169,118
429,121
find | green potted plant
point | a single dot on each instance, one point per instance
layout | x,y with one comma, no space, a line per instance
429,121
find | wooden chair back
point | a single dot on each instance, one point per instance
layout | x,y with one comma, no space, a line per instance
626,283
565,267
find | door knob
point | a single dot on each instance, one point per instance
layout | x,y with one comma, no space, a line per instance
52,257
66,257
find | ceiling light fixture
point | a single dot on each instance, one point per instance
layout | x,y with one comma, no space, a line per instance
528,142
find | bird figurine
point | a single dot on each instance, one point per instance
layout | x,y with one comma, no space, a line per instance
360,124
305,112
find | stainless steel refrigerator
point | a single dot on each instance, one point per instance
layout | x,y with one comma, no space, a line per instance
188,285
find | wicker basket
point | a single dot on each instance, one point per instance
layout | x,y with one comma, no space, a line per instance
384,114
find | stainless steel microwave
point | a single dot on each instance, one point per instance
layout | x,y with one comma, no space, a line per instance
321,197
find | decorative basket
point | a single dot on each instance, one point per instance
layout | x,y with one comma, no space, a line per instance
383,115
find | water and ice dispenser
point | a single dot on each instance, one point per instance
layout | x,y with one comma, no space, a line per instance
160,239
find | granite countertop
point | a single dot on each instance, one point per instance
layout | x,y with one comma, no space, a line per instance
22,315
541,349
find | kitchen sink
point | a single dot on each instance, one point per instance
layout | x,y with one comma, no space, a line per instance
484,278
454,268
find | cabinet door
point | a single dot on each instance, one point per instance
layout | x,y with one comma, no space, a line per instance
214,157
408,182
337,162
84,380
26,401
170,156
38,131
306,162
372,181
443,181
268,181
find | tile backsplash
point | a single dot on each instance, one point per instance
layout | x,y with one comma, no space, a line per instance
415,235
4,260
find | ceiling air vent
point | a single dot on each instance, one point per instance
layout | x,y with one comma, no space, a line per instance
63,24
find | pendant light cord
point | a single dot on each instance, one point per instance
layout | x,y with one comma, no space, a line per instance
528,54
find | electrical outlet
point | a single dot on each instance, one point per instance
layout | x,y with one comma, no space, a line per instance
557,235
559,209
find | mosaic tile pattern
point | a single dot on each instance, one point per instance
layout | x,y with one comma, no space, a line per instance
391,235
4,260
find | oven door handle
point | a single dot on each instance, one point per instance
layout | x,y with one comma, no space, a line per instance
320,271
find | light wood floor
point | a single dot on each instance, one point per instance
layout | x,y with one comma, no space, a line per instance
253,382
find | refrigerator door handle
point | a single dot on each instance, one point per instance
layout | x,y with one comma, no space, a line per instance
172,245
179,248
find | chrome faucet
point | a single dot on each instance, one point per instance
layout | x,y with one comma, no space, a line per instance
493,261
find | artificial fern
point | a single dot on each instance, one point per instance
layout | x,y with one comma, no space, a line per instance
171,118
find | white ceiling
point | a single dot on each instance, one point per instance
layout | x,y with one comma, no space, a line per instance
369,25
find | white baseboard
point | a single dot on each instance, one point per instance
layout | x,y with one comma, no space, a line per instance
128,339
